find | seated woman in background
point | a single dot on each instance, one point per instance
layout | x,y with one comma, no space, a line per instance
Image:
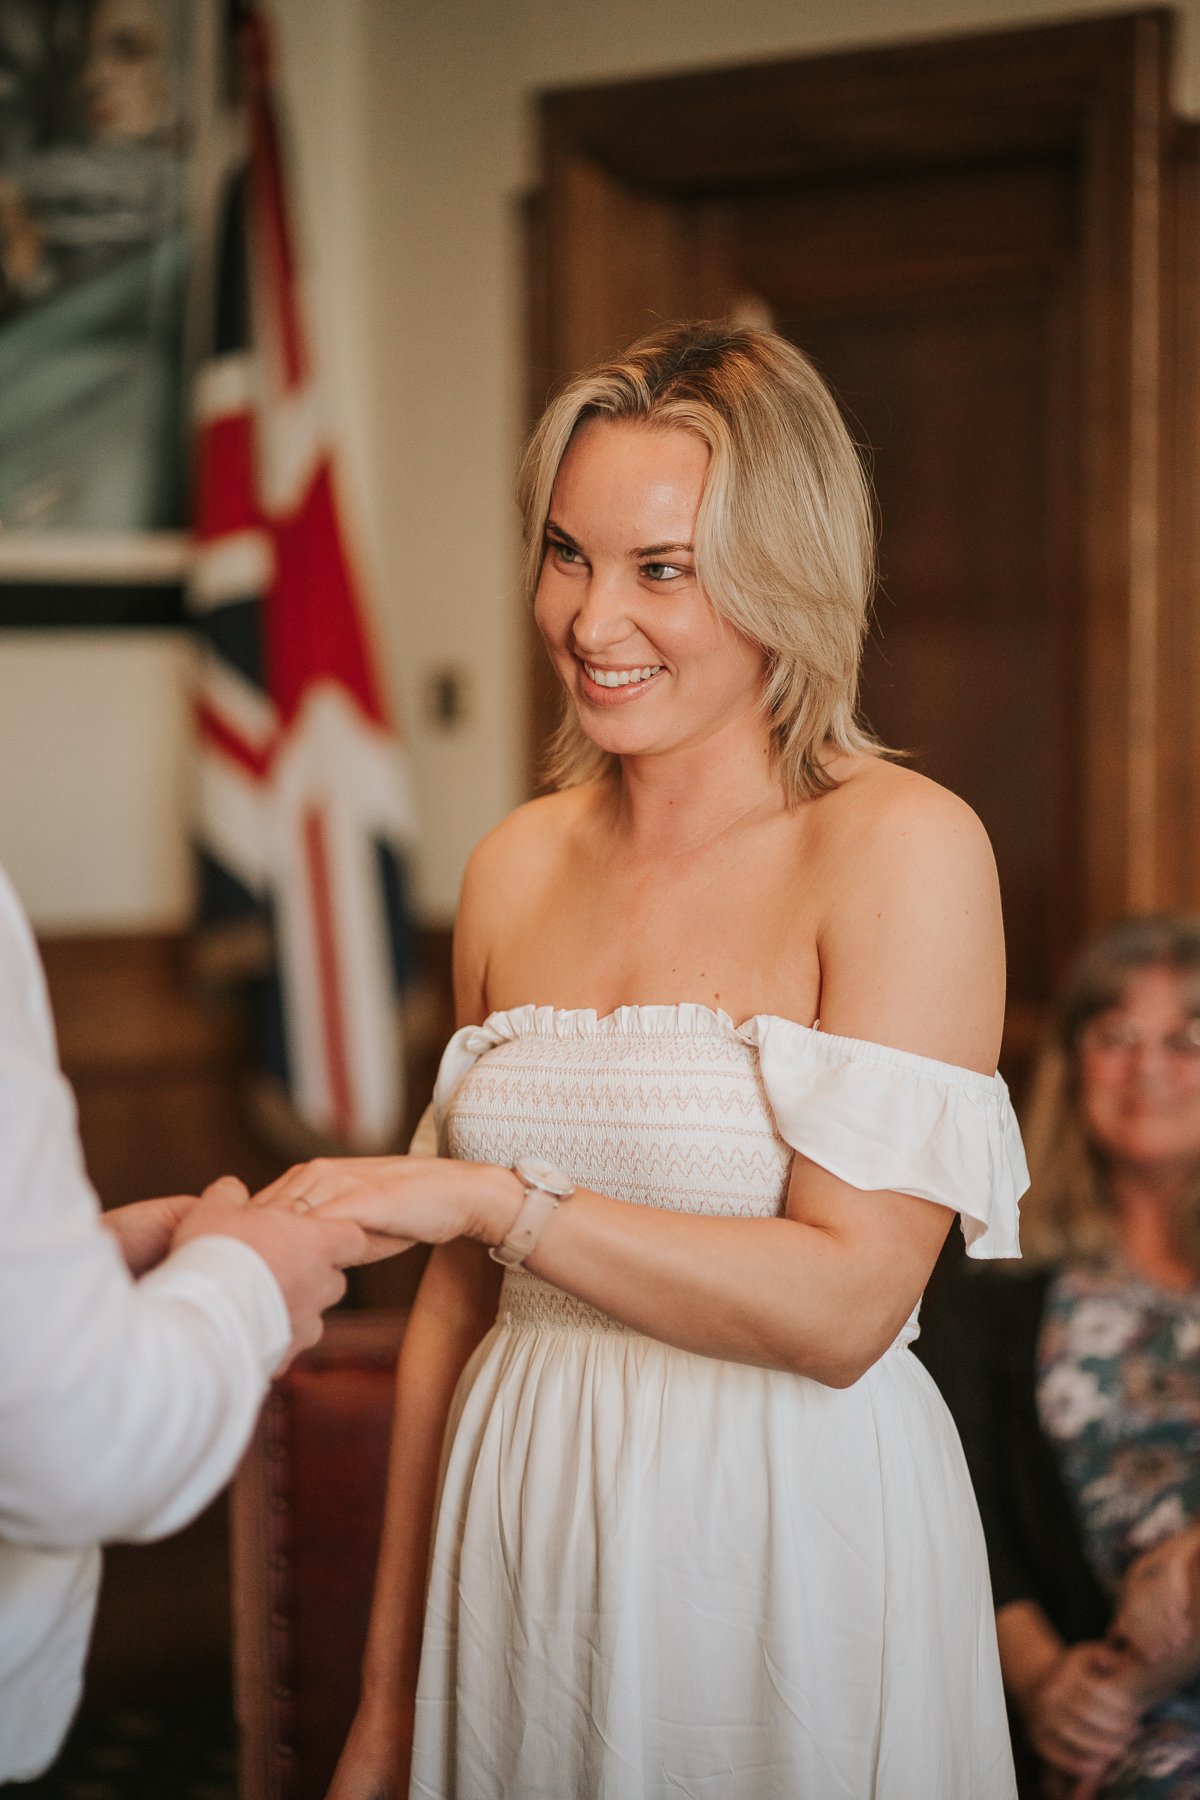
1076,1384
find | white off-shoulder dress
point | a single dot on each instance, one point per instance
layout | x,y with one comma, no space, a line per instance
657,1575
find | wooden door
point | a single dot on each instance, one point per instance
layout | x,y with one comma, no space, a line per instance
969,240
939,309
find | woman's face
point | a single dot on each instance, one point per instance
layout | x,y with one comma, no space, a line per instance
646,660
1139,1071
126,82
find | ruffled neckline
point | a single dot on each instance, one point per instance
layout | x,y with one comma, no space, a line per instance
693,1018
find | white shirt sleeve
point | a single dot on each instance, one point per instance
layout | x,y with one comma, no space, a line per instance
124,1407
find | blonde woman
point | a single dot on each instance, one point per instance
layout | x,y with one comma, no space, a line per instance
1076,1383
702,1525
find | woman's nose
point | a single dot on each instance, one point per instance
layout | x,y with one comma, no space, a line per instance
602,620
1151,1066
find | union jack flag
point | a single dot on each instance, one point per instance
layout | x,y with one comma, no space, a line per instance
304,815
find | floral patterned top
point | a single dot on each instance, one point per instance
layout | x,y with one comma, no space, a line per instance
1119,1397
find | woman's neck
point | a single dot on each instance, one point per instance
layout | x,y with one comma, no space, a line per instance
1146,1202
671,804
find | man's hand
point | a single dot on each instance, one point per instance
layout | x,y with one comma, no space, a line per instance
144,1229
306,1254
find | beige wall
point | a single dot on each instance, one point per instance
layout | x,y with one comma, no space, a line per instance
412,121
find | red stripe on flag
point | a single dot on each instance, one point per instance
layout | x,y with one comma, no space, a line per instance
218,734
332,1018
313,631
226,489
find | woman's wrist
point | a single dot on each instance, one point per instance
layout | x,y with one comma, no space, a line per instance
1030,1651
496,1197
1024,1692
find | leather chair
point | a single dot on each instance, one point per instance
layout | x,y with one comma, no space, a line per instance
306,1510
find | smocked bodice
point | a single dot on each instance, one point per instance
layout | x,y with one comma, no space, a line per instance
667,1119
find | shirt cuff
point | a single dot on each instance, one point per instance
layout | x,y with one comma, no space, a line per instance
244,1279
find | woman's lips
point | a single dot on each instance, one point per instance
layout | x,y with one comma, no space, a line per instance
617,687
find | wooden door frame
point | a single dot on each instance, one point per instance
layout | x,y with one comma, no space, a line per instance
1093,91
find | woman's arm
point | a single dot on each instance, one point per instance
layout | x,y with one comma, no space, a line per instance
455,1306
911,956
1157,1619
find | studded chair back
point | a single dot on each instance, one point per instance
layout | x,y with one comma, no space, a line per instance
306,1513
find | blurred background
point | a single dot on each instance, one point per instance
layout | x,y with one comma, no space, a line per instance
981,222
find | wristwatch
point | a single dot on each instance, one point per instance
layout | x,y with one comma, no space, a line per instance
545,1185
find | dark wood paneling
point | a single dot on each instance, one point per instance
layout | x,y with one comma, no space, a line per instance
160,1062
1007,93
1179,645
964,663
156,1066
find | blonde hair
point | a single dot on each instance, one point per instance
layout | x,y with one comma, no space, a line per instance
785,540
1068,1211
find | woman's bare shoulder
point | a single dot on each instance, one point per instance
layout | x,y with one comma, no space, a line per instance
520,853
540,829
882,808
517,857
911,938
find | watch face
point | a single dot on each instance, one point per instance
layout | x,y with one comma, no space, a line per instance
537,1172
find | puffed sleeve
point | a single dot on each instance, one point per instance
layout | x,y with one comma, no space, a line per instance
881,1118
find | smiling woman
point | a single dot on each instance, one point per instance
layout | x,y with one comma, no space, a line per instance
702,1524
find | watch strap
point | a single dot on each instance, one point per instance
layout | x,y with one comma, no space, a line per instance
526,1228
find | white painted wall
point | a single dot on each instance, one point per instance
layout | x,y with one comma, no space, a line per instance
94,776
412,123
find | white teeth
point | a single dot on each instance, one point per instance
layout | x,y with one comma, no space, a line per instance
613,678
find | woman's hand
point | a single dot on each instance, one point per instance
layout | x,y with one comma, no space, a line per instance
1080,1714
1158,1608
375,1763
403,1200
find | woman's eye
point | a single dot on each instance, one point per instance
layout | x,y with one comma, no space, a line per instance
566,553
661,571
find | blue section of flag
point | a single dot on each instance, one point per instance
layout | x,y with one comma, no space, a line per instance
270,1027
221,898
394,884
234,631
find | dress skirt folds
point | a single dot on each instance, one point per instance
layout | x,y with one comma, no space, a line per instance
657,1575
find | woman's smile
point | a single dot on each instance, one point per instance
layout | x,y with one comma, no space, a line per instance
613,685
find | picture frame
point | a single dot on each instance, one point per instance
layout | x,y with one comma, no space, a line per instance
112,125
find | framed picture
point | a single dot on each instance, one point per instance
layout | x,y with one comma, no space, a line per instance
107,182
